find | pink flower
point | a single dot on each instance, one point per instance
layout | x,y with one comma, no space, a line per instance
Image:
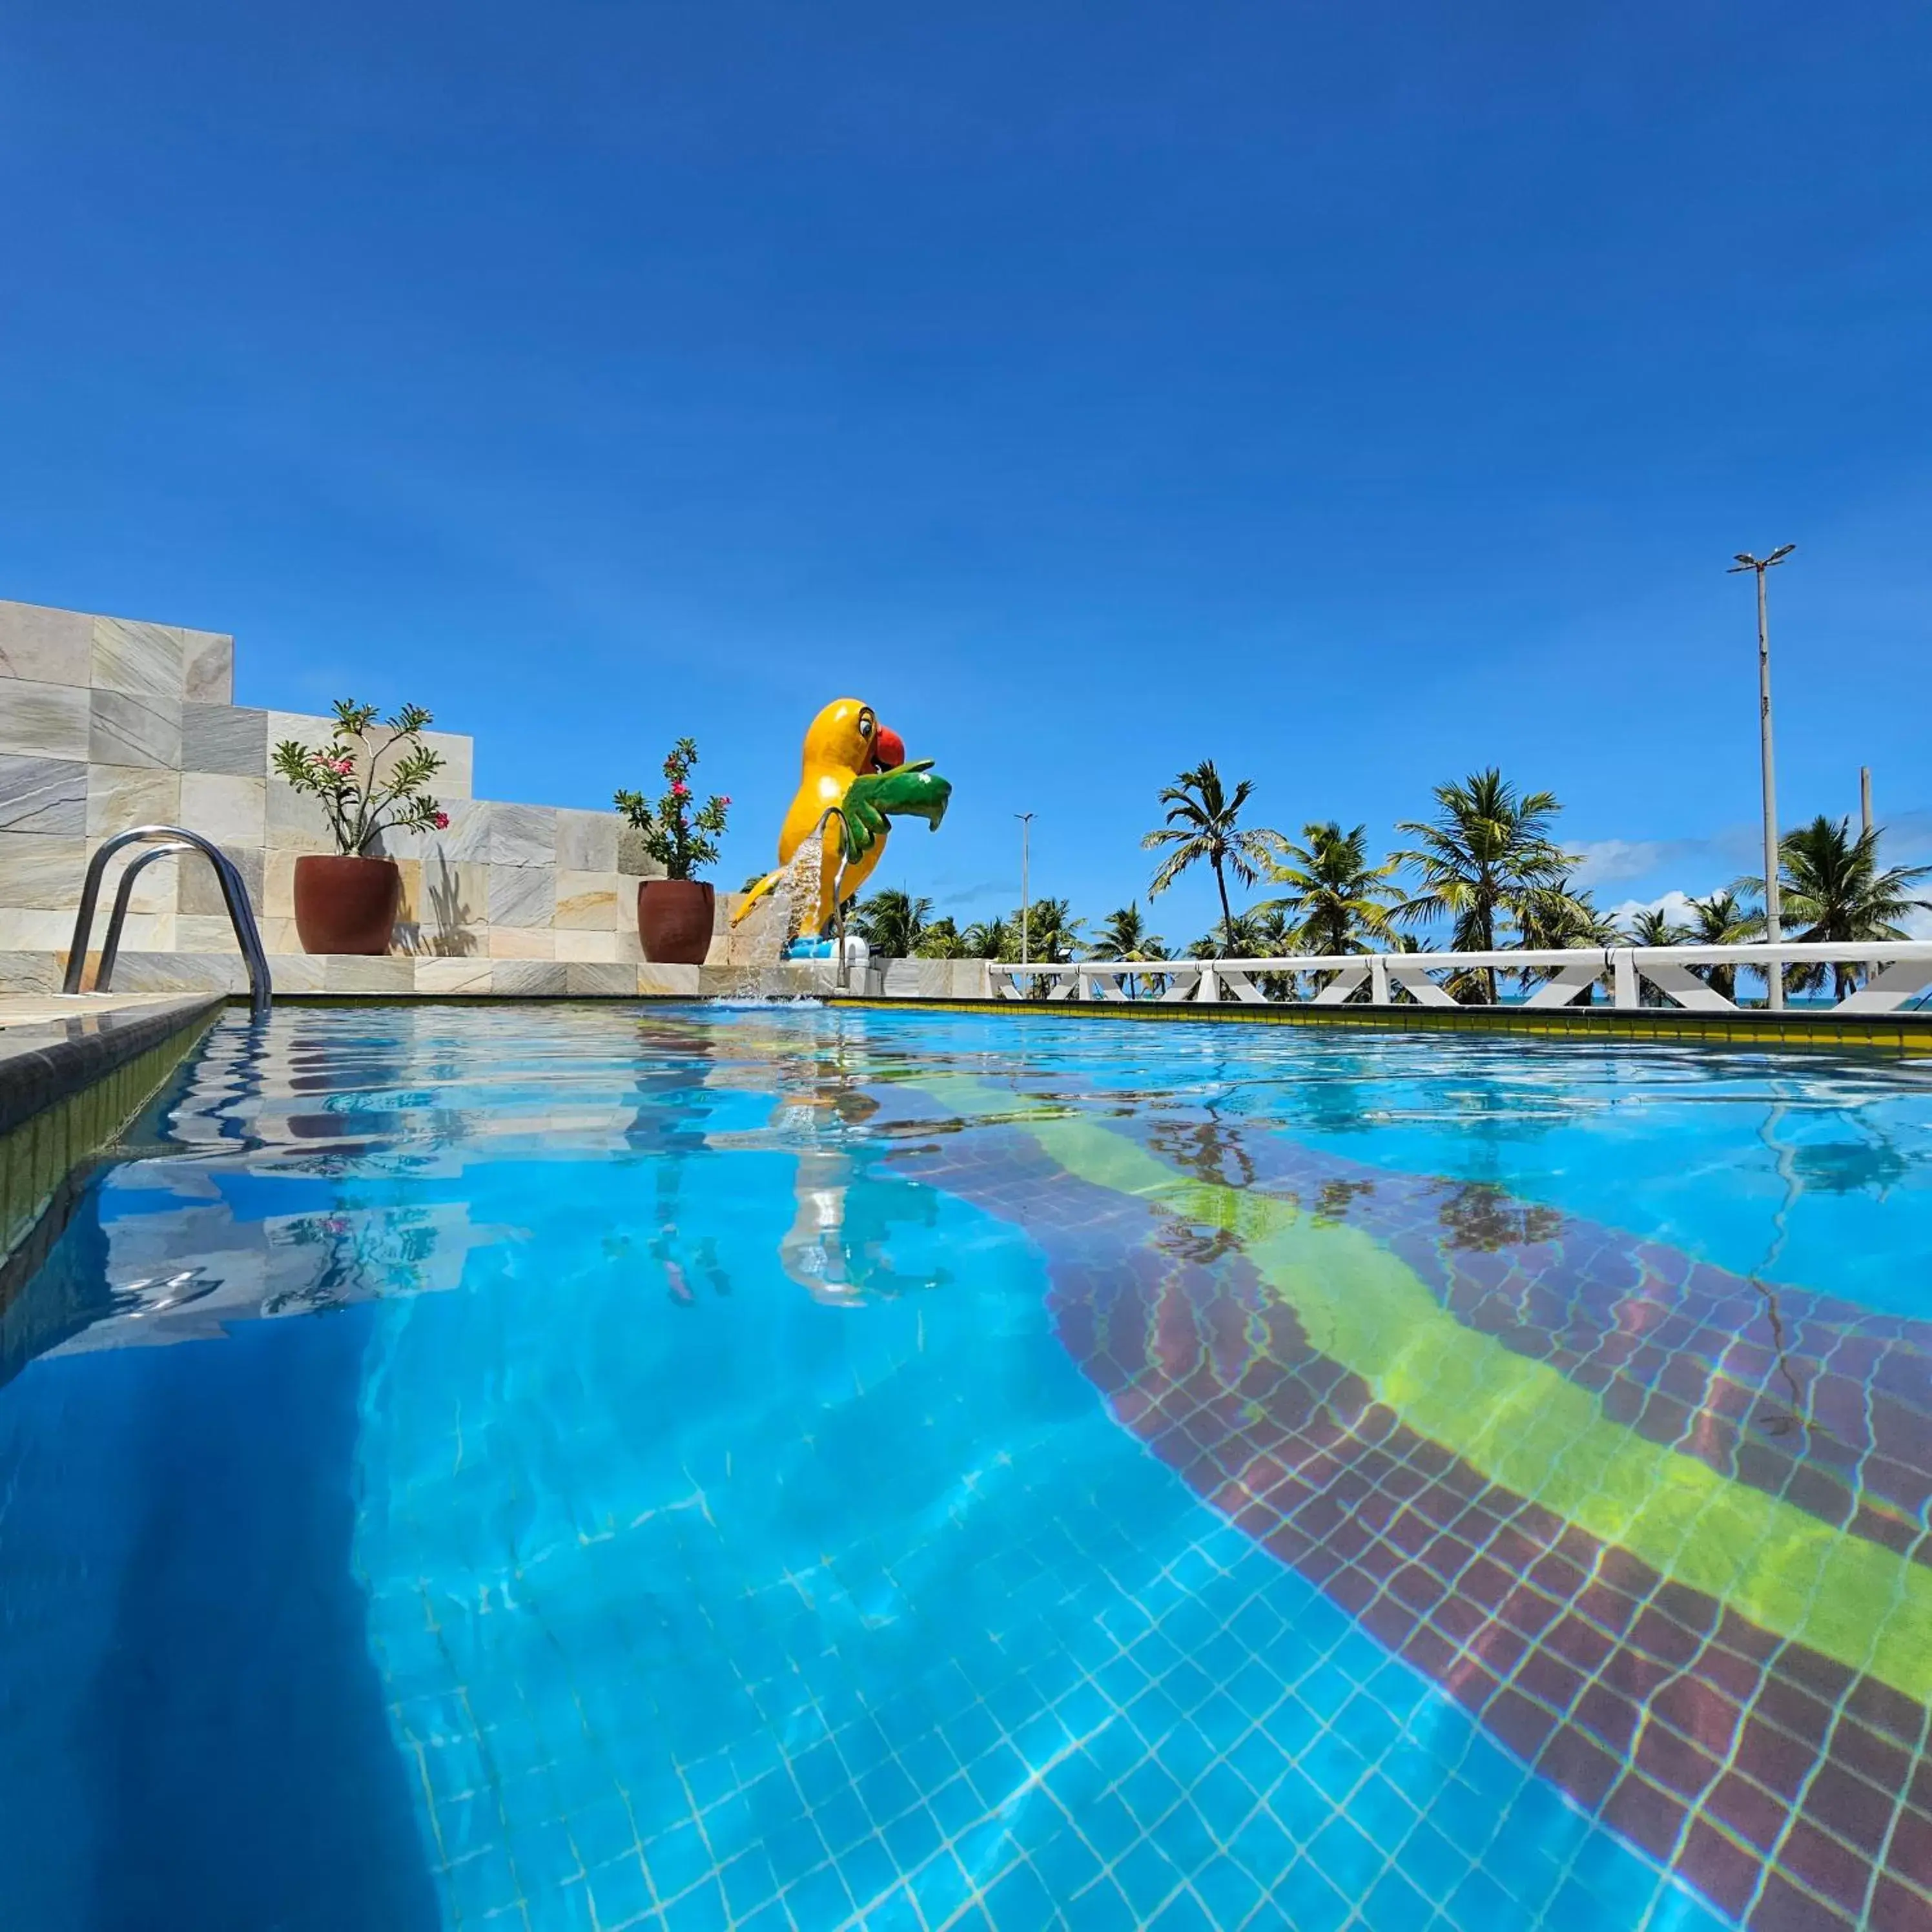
441,821
680,789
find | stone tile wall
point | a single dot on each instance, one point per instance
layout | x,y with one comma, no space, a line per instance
107,724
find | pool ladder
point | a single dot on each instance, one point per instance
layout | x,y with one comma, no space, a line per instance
234,893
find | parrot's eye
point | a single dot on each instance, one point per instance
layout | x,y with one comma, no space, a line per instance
865,728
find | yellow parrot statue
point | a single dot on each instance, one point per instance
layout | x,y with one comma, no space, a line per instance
854,779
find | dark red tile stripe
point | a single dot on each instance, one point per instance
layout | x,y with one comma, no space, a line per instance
1791,1792
1802,1396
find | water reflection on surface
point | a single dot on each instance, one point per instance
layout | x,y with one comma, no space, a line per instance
872,1468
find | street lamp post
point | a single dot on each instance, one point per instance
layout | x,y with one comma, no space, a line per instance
1774,977
1026,903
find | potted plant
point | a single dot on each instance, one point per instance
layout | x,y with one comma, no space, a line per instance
347,902
674,913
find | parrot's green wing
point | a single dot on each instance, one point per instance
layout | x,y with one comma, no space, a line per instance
913,790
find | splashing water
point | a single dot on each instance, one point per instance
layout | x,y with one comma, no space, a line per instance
798,891
790,909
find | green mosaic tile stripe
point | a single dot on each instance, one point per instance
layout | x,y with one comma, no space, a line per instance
1520,1423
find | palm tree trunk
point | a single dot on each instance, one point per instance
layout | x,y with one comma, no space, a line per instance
1227,913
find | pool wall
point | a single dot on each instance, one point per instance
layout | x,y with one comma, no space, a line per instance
66,1088
1906,1035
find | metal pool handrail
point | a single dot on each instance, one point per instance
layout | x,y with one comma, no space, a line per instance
234,893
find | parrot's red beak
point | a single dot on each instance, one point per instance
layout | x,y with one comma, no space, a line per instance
888,749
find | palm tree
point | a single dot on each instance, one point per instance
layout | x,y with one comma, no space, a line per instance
1123,936
1261,932
1486,852
1654,926
1053,934
942,940
985,939
1339,900
1719,920
1267,932
891,922
1241,938
1830,886
1203,822
1562,914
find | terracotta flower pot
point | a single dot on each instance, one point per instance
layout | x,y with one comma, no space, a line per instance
346,905
674,918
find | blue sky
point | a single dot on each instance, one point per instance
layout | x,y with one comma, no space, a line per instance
1355,394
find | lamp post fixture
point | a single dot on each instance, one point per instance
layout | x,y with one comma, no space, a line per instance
1026,903
1774,976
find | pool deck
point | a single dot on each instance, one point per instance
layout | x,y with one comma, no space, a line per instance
41,1010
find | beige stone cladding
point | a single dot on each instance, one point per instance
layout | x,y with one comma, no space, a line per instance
107,724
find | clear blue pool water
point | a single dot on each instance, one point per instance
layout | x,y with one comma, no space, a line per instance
691,1467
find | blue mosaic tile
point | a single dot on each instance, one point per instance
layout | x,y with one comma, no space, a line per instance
1229,1892
1310,1903
576,1909
678,1859
1021,1663
748,1882
1147,1876
620,1893
1432,1862
1182,1914
1068,1862
1480,1900
954,1804
1103,1907
482,1884
1347,1856
1263,1849
1395,1903
820,1897
1020,1902
771,1917
869,1870
703,1908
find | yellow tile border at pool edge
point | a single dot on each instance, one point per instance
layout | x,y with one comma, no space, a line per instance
1907,1035
1520,1424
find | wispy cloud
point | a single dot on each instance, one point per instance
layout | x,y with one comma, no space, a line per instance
1703,864
1908,838
970,894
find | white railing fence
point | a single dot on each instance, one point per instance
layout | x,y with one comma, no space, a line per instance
1887,975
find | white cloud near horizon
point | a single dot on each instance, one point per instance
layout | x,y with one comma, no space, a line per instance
1674,906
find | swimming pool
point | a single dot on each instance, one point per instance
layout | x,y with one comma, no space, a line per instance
688,1467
